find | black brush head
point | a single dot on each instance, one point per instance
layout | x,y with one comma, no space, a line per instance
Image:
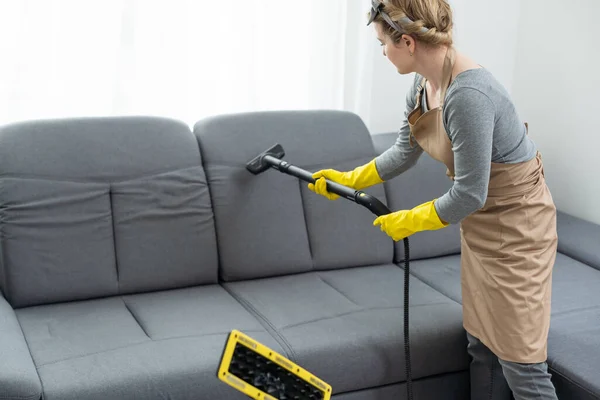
258,164
267,376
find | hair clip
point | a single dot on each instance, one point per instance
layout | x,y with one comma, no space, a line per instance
376,8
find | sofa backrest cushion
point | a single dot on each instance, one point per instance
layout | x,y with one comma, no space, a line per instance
102,206
272,224
578,239
425,181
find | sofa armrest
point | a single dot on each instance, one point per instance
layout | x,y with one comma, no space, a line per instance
18,376
579,239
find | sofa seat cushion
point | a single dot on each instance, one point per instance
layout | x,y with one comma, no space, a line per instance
442,274
163,345
454,386
574,338
346,326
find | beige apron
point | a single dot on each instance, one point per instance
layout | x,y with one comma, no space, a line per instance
508,247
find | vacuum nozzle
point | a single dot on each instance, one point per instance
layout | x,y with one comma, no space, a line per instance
258,164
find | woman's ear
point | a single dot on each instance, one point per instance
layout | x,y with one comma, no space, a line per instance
407,42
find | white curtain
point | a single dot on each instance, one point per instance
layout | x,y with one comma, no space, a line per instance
183,59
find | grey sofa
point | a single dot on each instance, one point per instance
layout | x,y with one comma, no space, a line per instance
130,247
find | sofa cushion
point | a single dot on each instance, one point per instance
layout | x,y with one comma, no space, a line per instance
56,236
271,224
18,378
423,182
346,326
574,339
101,149
152,346
164,231
441,273
97,207
579,239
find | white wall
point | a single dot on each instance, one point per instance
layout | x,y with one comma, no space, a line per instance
556,87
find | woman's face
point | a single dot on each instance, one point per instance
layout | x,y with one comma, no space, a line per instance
397,53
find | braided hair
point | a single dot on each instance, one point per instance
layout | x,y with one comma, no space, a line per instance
414,15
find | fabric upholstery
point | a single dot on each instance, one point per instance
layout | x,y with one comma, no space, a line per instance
102,149
97,207
574,337
164,231
346,325
579,239
55,241
152,346
441,273
271,224
425,181
18,378
453,386
573,343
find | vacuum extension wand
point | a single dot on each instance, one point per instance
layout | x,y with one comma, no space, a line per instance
272,158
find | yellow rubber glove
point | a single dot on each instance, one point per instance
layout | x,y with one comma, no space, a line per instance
401,224
359,178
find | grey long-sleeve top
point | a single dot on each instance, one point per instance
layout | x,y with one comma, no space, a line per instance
483,126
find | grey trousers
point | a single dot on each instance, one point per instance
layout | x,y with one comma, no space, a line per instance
495,379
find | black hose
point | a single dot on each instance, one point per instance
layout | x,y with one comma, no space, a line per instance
406,319
272,157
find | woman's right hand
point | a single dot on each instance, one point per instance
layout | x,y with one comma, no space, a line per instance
358,179
320,186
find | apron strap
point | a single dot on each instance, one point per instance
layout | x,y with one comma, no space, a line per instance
447,73
420,89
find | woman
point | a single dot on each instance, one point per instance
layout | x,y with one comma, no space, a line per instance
461,116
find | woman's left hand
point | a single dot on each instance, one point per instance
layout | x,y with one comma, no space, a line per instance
401,224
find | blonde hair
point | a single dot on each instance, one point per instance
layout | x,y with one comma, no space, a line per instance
434,15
